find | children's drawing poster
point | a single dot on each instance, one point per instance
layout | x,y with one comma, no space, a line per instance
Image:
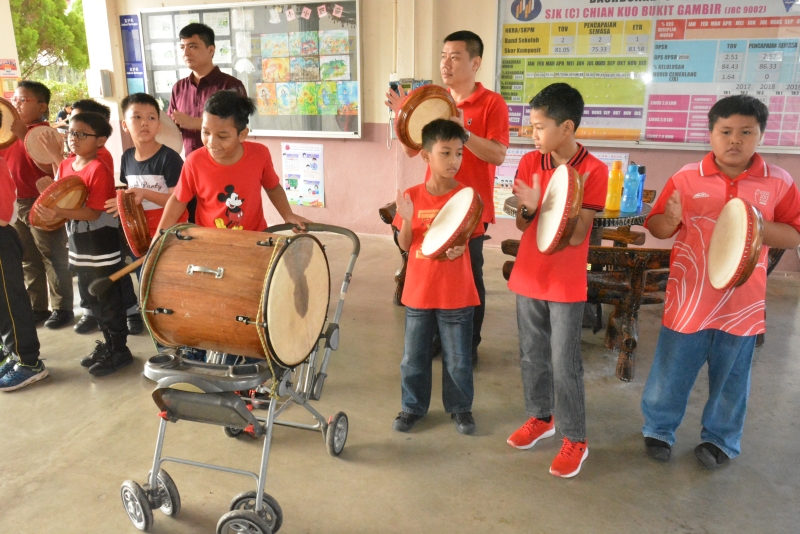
184,19
219,21
161,27
287,98
334,67
347,94
327,98
650,71
267,99
334,42
306,94
223,51
275,69
303,44
304,69
303,176
275,45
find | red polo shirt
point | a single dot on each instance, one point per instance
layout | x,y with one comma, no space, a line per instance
190,98
8,194
691,303
23,169
485,115
561,276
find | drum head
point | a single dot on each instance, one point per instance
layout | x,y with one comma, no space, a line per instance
134,223
68,193
449,223
731,249
169,134
10,114
34,146
552,214
423,105
298,292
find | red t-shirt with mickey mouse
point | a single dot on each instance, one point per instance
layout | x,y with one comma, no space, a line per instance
228,196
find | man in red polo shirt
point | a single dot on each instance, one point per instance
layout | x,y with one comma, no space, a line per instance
189,94
484,115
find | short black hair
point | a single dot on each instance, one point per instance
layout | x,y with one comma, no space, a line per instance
441,130
230,104
90,106
140,98
473,42
205,33
560,102
95,121
749,106
39,90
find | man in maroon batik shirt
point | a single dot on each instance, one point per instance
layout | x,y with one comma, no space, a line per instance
189,94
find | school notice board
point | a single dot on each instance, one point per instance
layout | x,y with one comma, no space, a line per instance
300,63
649,70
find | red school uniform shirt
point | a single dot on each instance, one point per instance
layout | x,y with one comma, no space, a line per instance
435,284
691,303
485,115
8,194
23,169
561,276
228,196
98,178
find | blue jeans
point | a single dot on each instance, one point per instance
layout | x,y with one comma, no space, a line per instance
552,368
455,330
676,364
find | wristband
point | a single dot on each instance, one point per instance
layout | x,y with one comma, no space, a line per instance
469,134
525,215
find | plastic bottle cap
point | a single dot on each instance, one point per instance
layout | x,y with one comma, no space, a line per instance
642,169
616,166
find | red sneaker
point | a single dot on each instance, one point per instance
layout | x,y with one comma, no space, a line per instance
531,432
569,460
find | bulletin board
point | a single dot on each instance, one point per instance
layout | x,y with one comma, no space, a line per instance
300,63
650,70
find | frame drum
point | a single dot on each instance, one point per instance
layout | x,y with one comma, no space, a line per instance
69,193
560,209
735,245
423,105
454,224
511,205
247,293
9,113
34,147
134,223
169,134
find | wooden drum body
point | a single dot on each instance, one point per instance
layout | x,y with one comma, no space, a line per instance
560,209
34,146
134,223
245,293
454,224
9,113
69,193
423,105
735,244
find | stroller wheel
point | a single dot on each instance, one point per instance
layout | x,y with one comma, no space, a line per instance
242,522
136,505
271,512
232,432
336,434
168,493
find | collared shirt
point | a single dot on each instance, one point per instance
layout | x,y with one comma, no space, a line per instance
561,276
190,98
485,115
23,169
691,303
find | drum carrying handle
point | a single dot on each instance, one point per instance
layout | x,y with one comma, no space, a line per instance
191,269
317,227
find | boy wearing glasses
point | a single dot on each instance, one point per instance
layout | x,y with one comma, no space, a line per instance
44,256
94,247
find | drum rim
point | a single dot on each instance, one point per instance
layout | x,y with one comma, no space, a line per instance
136,218
572,189
68,183
13,138
752,248
271,353
34,132
469,217
412,102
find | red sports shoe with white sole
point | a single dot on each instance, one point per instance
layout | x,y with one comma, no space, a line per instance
531,432
569,460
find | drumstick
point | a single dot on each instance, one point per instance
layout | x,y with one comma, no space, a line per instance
101,285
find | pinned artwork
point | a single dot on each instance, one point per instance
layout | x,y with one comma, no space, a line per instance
303,44
334,42
275,45
322,11
287,99
304,69
267,99
334,67
275,70
348,98
306,13
327,98
306,98
337,11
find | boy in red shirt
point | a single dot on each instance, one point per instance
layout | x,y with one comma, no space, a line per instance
94,247
702,324
551,289
437,292
227,177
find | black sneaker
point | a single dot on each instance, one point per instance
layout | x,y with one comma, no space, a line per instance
657,449
404,421
135,324
39,316
111,362
85,325
710,455
99,351
59,319
465,424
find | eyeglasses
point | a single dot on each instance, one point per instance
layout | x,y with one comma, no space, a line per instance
22,100
80,136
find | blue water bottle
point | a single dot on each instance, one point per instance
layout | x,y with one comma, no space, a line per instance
630,190
642,176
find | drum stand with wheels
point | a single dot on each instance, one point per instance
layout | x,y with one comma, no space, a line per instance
213,393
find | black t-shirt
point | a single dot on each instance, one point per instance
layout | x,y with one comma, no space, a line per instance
158,173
